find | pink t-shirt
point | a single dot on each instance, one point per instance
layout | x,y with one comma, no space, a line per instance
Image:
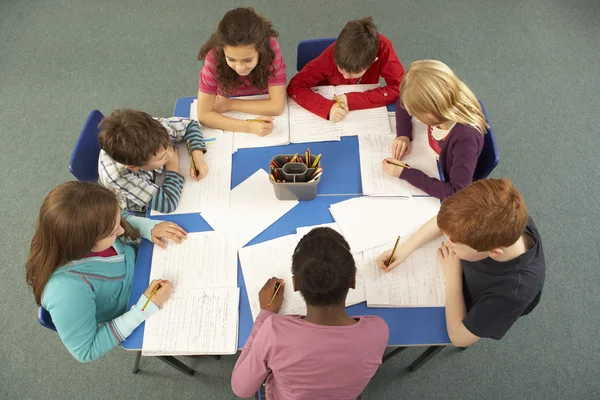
302,360
209,82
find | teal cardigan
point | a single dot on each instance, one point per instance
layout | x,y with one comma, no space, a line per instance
87,298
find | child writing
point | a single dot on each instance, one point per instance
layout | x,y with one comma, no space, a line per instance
323,355
137,147
360,55
81,270
241,58
433,94
492,259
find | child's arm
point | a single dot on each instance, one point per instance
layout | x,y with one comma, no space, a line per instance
460,172
404,125
166,198
251,368
420,238
208,117
143,225
76,322
273,106
392,73
313,73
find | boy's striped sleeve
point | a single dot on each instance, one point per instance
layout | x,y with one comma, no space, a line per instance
166,198
194,135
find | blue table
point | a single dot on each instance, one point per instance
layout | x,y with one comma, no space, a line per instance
408,326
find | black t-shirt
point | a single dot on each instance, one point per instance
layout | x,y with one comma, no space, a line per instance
498,293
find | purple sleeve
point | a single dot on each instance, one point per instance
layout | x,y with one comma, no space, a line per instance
251,368
403,121
462,161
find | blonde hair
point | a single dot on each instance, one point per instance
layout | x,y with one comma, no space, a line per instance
430,86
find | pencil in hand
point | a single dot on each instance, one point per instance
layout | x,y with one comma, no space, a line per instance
387,264
277,287
189,146
398,164
151,295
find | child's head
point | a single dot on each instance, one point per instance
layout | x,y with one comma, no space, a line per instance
323,267
75,219
356,47
483,219
242,46
431,92
135,139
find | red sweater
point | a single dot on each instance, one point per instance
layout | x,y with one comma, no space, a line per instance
323,71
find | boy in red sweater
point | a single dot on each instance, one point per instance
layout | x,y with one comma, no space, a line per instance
360,55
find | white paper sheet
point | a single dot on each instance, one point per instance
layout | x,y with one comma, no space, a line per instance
253,208
265,260
368,222
358,294
211,192
308,127
417,282
204,259
197,321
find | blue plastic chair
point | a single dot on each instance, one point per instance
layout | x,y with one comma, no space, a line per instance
45,319
488,159
84,159
310,49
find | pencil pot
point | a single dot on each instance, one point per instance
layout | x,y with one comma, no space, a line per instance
294,180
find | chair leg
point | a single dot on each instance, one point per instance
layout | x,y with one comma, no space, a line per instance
426,356
136,364
178,365
392,353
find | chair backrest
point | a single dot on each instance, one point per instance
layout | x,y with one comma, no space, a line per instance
45,319
310,49
488,159
84,159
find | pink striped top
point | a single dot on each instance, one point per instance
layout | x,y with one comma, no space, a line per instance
209,82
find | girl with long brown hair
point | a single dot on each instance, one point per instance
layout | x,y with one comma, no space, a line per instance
241,58
81,270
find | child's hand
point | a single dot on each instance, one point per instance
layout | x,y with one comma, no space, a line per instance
167,230
162,294
450,262
172,159
399,257
222,104
266,294
391,169
400,147
337,113
261,128
344,100
201,165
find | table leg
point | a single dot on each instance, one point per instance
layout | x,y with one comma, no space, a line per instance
136,364
423,358
178,365
392,353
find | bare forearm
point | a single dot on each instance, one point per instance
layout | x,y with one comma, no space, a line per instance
455,305
424,235
213,119
259,107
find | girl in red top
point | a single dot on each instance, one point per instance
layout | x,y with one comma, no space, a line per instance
241,58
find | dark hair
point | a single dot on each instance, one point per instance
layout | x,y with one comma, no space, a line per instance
242,27
132,137
73,217
323,267
357,45
485,215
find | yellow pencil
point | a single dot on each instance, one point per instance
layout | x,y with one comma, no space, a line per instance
339,103
393,251
258,120
277,287
193,162
316,162
399,164
151,295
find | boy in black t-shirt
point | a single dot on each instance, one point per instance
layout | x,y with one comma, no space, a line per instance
492,259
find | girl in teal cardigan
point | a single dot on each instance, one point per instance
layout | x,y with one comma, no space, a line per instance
81,270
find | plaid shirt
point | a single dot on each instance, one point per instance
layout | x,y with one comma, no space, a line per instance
138,189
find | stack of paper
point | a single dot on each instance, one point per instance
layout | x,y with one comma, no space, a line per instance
373,149
253,208
211,192
368,222
201,317
417,282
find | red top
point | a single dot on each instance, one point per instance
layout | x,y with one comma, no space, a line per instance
323,71
433,143
110,252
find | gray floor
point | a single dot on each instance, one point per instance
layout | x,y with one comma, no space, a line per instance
533,63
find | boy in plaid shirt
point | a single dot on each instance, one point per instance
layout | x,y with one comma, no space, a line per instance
136,147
